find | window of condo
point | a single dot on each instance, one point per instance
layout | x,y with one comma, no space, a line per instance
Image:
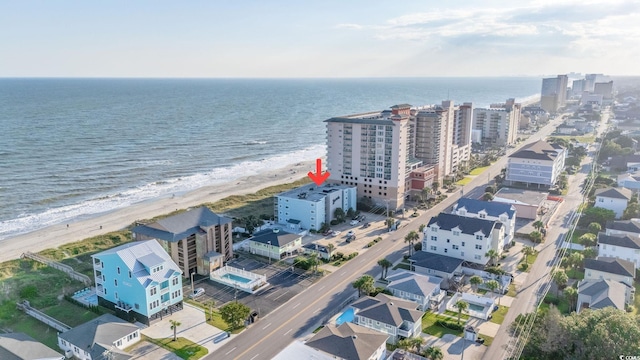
115,281
118,268
479,237
456,233
433,248
434,238
478,247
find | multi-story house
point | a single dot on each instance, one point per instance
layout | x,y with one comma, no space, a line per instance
275,243
599,294
613,199
197,240
308,206
389,315
620,245
462,237
609,268
348,341
498,126
489,210
138,280
424,290
538,164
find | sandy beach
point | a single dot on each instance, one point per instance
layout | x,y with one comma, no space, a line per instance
56,235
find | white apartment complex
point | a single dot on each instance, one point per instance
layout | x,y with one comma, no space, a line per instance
308,206
489,210
537,164
498,126
464,238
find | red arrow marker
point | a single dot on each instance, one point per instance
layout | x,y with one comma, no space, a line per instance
319,177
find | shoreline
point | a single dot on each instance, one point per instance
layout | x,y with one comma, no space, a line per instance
56,235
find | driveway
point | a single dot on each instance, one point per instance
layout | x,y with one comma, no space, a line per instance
145,350
452,346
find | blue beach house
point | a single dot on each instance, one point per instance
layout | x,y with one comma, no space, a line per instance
138,280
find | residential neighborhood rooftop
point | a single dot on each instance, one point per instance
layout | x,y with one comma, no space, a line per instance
348,341
615,193
466,225
98,335
627,241
539,150
475,206
274,237
603,293
19,346
312,192
387,309
436,262
182,225
520,196
414,283
611,265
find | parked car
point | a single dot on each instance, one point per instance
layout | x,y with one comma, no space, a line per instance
335,233
354,222
351,238
365,225
362,217
350,233
326,233
196,293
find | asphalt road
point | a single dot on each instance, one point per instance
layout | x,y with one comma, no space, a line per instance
267,337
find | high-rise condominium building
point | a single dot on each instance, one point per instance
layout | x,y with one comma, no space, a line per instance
554,93
499,123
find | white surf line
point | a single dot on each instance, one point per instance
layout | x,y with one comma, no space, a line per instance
229,352
269,324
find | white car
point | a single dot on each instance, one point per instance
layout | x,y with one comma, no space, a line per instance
354,222
350,233
196,293
335,233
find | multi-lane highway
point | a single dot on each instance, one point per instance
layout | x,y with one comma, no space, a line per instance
266,338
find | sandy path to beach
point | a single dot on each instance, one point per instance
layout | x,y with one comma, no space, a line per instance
56,235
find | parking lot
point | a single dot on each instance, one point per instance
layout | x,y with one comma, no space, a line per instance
284,284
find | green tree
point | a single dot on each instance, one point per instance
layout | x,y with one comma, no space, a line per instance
528,251
536,237
575,260
475,280
385,265
324,227
425,193
313,261
330,248
410,238
560,278
433,353
351,213
435,185
416,343
571,294
421,228
493,256
339,214
251,222
594,228
632,211
598,215
389,222
493,285
590,253
174,327
487,196
538,225
235,314
587,239
364,284
404,344
461,305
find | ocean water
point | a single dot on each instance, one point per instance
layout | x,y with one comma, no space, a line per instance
74,148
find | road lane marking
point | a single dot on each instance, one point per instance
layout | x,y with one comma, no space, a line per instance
269,324
296,306
254,357
281,295
288,331
229,352
322,288
343,273
317,311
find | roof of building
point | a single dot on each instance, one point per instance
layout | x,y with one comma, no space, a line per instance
539,150
401,106
19,346
298,350
611,265
348,341
603,293
466,225
520,196
98,335
182,225
368,120
625,240
615,193
632,226
312,192
140,257
316,247
413,283
491,208
275,237
436,262
387,309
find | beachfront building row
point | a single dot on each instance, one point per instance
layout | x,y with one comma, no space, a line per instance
389,154
138,280
198,240
308,206
498,124
553,94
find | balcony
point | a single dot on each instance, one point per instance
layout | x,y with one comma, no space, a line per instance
97,264
121,305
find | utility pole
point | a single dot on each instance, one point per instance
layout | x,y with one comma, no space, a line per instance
193,291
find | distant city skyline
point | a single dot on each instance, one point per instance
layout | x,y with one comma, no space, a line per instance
252,39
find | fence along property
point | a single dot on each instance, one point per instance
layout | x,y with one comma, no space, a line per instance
56,265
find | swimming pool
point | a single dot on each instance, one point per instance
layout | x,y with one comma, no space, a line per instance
476,307
347,316
234,277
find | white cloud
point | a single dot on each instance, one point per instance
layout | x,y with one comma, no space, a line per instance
349,26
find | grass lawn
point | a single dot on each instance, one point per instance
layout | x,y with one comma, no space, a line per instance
402,265
563,304
34,328
487,339
182,347
318,329
465,180
575,274
70,314
512,290
482,291
498,316
582,139
478,171
636,300
531,259
455,315
429,325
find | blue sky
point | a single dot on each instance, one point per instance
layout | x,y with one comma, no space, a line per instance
317,38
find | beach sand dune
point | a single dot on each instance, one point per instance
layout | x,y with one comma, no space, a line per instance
57,235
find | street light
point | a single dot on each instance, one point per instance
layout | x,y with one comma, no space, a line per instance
269,242
193,291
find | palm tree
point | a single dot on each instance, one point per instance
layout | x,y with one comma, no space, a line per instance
364,284
389,222
330,247
433,353
421,228
435,185
492,255
572,296
575,260
385,265
538,225
493,286
536,237
410,238
528,251
174,327
313,261
461,305
210,304
425,193
404,344
416,343
475,281
560,278
487,196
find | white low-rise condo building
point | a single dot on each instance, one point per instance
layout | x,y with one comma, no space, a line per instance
307,207
536,165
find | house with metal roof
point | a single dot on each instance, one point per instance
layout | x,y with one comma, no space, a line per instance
463,237
198,240
104,337
275,243
138,280
621,244
489,210
536,165
598,294
389,315
422,289
350,342
431,264
615,199
20,346
614,269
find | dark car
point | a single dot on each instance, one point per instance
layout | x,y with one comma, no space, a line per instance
365,225
326,233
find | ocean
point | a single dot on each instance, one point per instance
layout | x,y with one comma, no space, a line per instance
74,148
